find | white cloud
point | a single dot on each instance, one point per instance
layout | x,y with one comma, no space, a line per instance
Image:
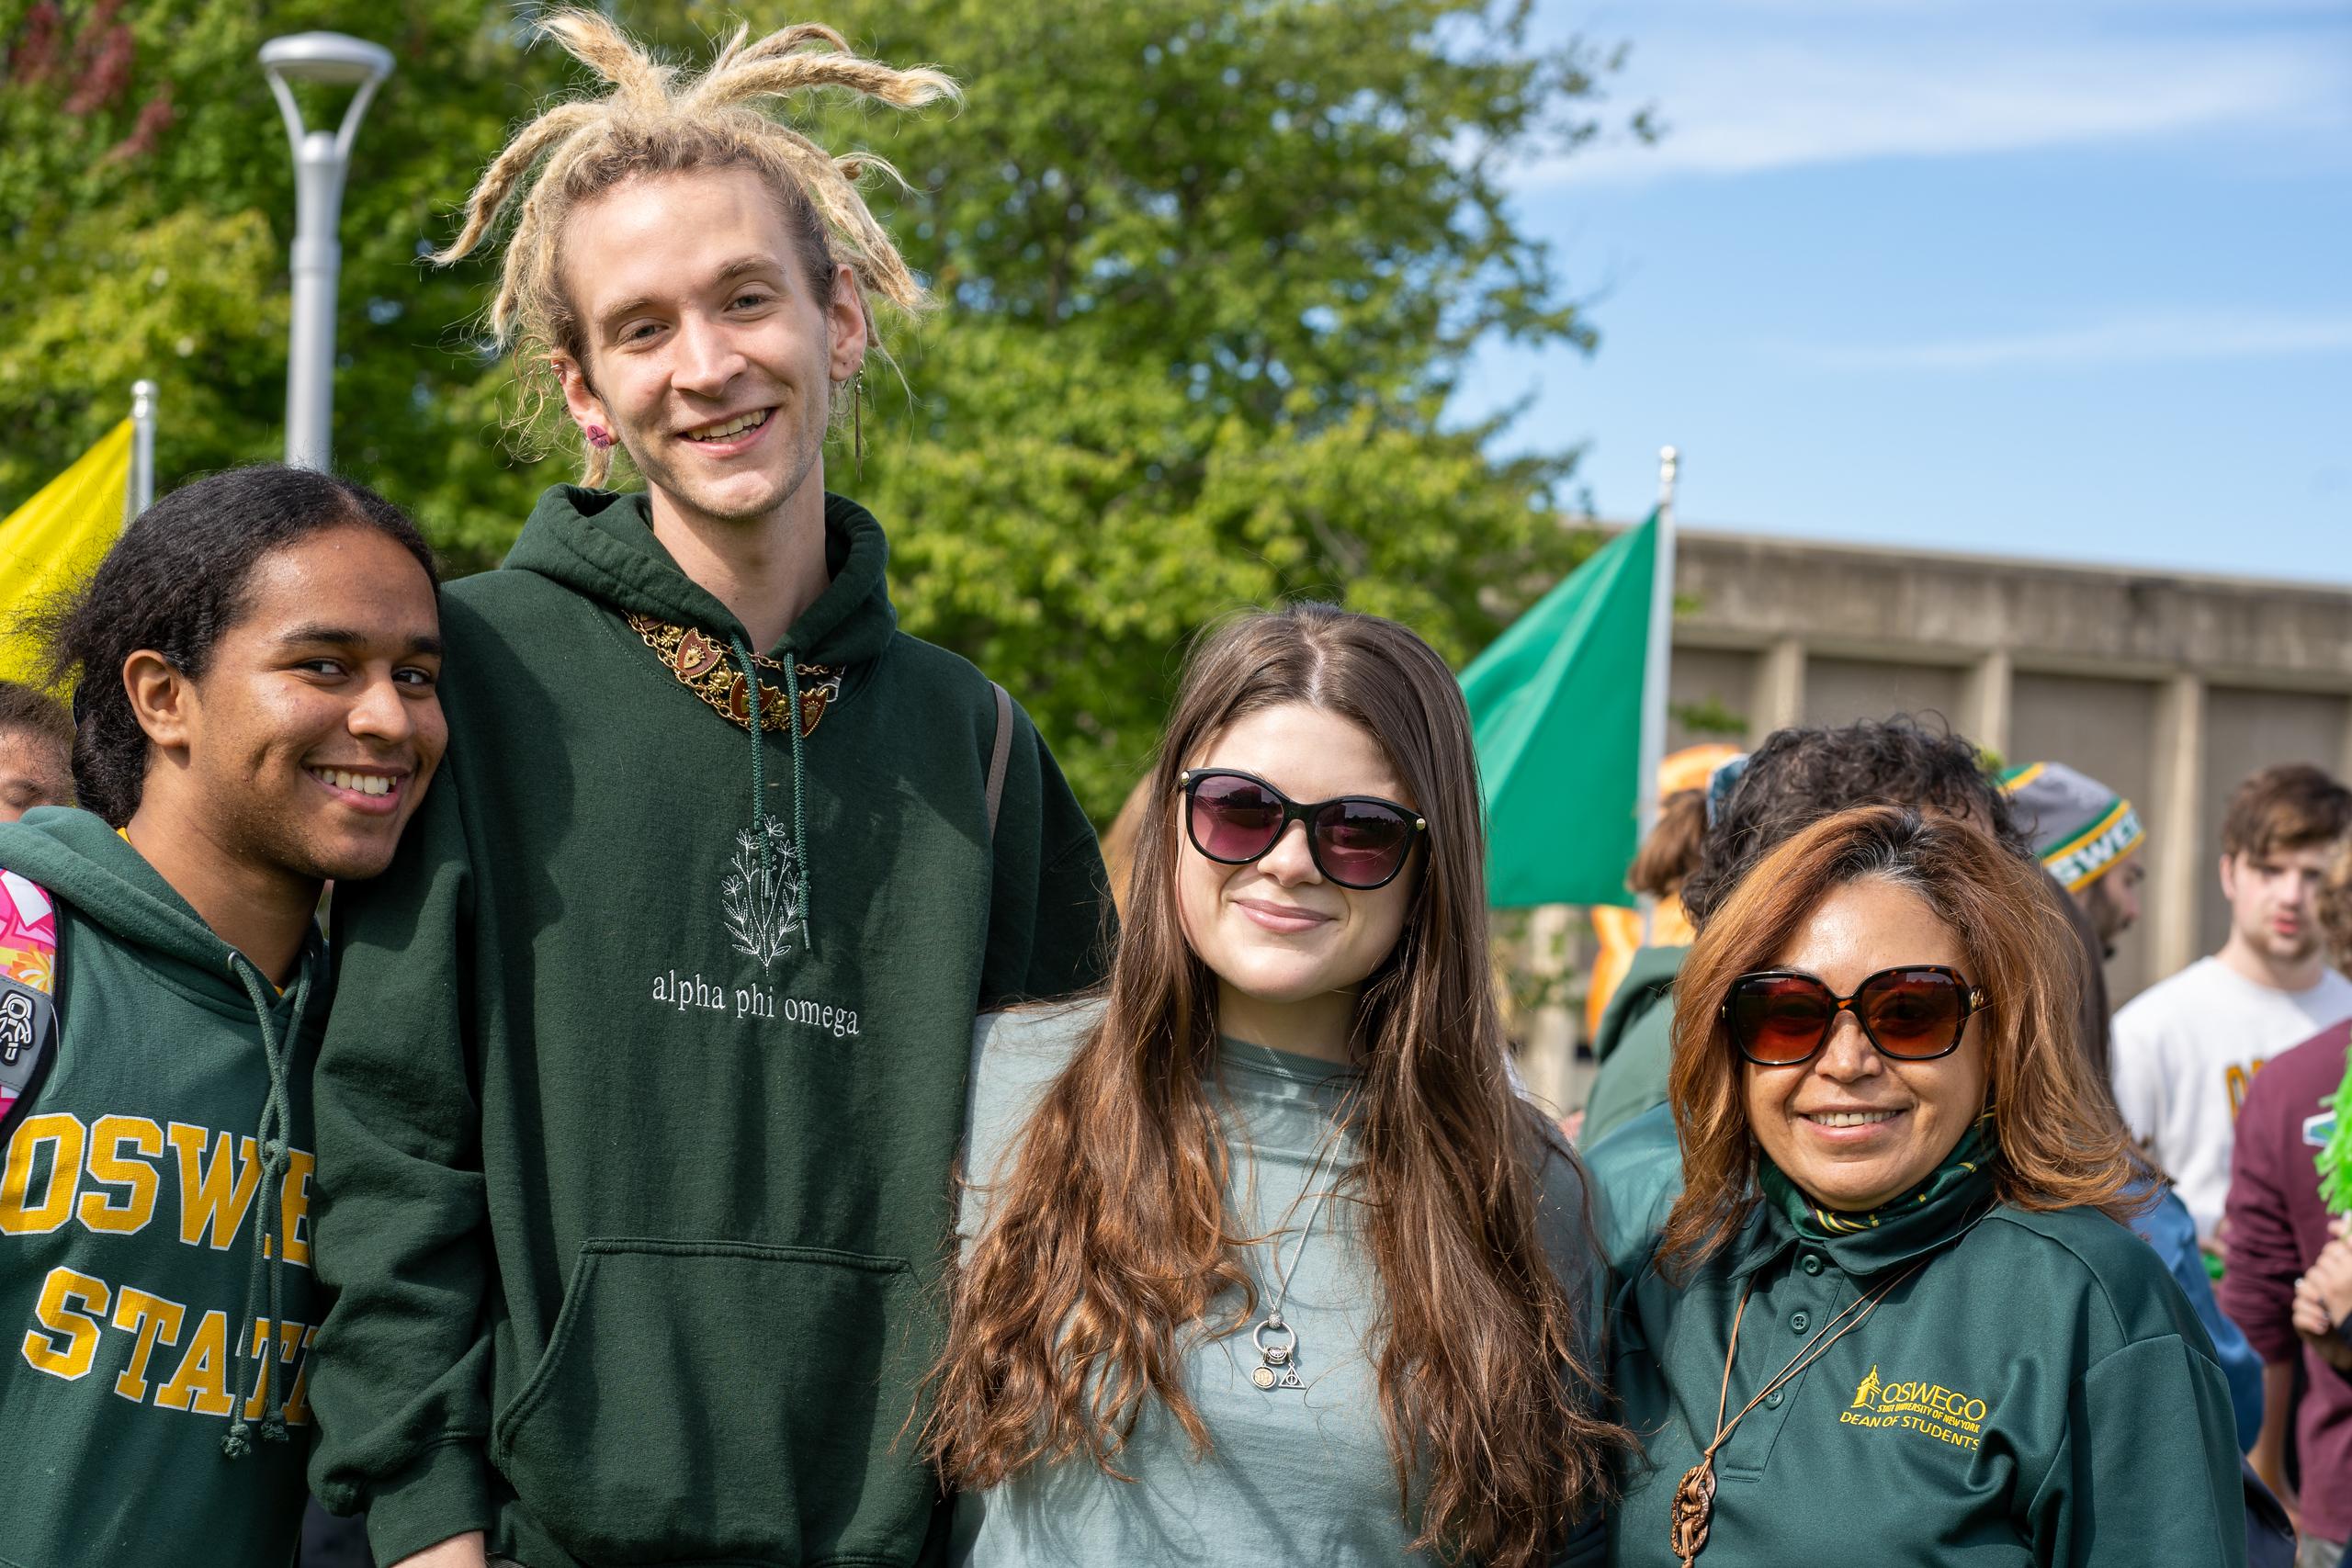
1747,87
2166,338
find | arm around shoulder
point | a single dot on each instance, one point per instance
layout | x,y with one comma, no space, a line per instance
399,1382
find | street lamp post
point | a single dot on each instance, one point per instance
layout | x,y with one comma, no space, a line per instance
320,160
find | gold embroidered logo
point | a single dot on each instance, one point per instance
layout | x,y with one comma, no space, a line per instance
1944,1414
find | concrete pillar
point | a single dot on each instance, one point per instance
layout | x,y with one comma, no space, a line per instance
1984,704
2180,862
1779,699
1547,1056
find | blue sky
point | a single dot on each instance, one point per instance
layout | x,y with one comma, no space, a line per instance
2056,278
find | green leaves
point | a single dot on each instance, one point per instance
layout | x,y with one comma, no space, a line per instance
1209,272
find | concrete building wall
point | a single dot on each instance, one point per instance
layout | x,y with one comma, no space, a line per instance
1837,690
2170,688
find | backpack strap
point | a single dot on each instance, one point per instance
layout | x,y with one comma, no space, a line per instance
1001,753
27,991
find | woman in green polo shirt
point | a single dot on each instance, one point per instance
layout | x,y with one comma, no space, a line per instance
1895,1317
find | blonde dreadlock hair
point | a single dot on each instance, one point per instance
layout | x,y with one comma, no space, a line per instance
656,121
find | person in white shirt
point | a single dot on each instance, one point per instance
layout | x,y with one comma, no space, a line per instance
2186,1047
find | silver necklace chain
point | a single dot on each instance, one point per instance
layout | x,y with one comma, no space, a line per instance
1278,1364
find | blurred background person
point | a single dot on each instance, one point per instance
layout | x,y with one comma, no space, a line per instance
2186,1047
2087,838
2288,1284
36,751
1633,979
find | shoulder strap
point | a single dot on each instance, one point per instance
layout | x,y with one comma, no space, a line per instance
1001,753
27,991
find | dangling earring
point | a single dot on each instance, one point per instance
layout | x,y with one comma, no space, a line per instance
857,420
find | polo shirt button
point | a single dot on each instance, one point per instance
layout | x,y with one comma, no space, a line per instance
1800,1321
1772,1400
1811,1263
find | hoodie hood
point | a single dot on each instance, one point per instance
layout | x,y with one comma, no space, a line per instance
601,543
82,861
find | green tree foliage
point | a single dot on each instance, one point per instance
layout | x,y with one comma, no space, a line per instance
1209,274
146,208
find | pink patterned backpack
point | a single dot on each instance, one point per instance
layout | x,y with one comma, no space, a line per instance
28,990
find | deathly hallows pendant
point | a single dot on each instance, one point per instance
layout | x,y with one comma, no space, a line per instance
1694,1501
1278,1363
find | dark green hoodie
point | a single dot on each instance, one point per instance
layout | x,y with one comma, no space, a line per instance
135,1207
637,1150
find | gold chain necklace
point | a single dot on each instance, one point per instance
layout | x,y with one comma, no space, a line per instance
1694,1496
700,663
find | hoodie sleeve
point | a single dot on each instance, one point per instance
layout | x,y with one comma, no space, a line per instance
1049,914
400,1377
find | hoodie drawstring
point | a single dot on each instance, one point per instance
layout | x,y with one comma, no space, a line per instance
269,1243
799,777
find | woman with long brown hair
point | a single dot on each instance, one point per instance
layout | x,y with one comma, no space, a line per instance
1265,1261
1894,1317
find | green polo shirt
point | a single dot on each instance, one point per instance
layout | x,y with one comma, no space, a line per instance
2036,1392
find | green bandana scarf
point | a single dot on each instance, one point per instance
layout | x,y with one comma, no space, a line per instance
1954,1194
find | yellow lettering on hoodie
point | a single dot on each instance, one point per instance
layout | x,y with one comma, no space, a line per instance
152,1318
124,1214
215,1192
202,1382
20,1215
292,1339
70,1354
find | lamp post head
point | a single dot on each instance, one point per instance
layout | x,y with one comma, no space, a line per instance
331,60
334,58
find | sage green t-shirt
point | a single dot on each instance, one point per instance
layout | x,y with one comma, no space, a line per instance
1296,1475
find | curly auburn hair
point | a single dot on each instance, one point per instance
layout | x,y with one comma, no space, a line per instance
1109,1249
2062,1144
655,122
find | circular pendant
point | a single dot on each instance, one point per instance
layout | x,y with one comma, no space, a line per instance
1263,1377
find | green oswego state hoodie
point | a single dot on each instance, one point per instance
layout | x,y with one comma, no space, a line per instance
135,1208
642,1101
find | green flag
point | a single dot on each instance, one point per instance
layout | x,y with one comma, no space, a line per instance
1556,708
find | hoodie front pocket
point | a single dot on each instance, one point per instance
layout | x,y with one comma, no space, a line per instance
725,1401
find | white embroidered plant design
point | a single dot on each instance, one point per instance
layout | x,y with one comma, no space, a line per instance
763,907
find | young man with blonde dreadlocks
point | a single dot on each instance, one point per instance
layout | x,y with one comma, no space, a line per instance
637,1121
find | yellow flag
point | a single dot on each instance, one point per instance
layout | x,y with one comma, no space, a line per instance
53,540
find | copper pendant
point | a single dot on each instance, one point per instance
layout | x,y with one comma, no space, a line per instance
1694,1501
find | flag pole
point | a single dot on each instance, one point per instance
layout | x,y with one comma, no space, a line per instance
140,493
1656,664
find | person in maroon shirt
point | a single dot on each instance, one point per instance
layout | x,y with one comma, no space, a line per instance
2275,1232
